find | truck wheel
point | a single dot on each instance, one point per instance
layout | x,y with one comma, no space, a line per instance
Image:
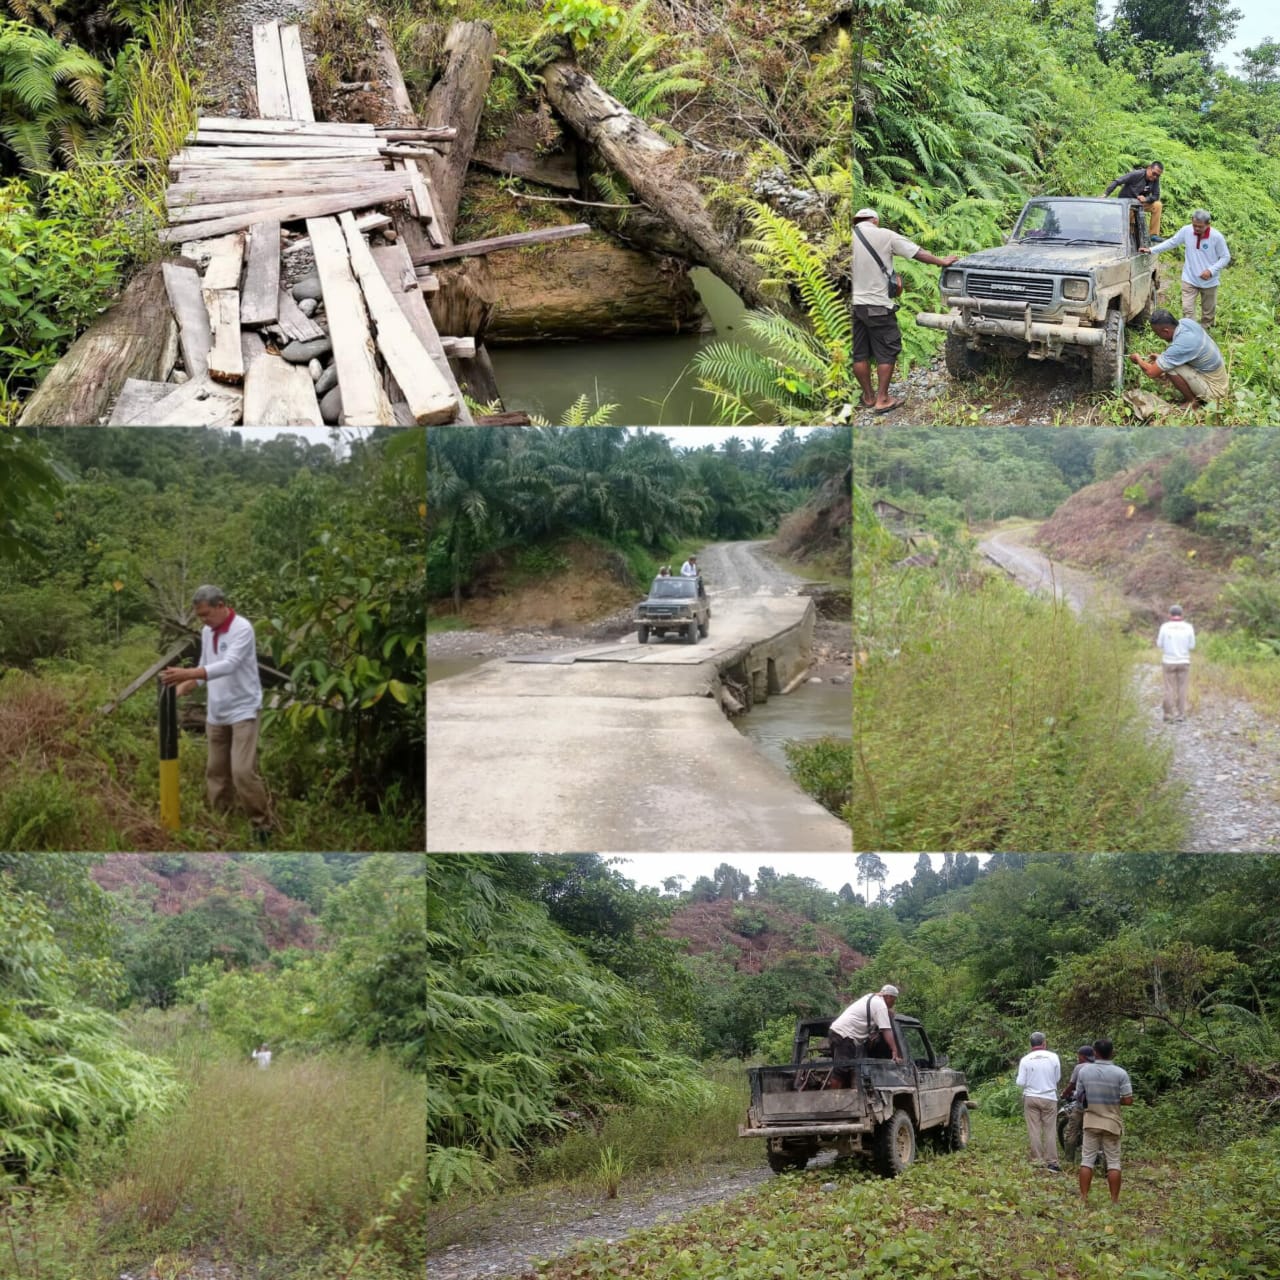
963,363
895,1145
642,634
1108,359
705,628
691,634
957,1131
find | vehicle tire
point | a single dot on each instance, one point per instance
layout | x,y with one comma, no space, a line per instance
1068,1141
895,1145
691,633
963,363
1108,360
705,628
642,634
956,1134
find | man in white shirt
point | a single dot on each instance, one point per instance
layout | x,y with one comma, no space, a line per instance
229,666
690,568
1205,254
1038,1076
865,1028
1175,640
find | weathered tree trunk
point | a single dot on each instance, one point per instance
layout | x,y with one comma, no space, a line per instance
652,167
457,101
131,340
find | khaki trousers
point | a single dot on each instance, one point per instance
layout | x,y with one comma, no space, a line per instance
1208,303
1041,1115
232,770
1154,210
1176,678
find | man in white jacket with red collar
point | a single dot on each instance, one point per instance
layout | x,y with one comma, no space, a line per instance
229,666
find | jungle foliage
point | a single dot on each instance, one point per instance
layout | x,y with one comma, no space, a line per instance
963,108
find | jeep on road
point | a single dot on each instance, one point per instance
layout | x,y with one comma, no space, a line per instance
871,1107
674,604
1063,287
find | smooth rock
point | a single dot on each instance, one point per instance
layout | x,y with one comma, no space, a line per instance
327,380
828,1186
331,405
179,376
315,369
308,287
304,352
814,680
308,306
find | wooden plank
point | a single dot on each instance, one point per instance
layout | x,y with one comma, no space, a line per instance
225,263
429,283
268,65
189,643
366,222
260,300
295,74
197,403
427,394
420,198
385,191
303,144
183,194
226,363
238,165
393,261
364,402
413,135
136,397
459,348
280,394
294,323
182,284
496,243
305,128
252,348
355,150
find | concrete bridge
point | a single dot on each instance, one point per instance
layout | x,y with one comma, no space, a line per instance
621,747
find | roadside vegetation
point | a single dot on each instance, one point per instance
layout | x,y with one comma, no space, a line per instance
964,108
111,533
311,1169
1167,954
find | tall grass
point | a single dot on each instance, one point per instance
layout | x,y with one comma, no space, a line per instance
999,721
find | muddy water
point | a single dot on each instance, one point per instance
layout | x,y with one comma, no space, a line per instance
649,378
811,711
443,668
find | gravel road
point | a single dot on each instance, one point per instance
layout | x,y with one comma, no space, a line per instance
1226,753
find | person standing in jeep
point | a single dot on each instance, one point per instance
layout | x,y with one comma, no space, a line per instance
865,1029
876,334
1143,185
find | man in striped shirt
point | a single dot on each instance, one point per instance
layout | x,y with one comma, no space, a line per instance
1106,1088
1191,361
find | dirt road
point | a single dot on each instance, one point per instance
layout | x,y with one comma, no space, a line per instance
732,569
1226,754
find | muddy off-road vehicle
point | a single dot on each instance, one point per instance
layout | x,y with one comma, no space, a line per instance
674,604
871,1107
1062,287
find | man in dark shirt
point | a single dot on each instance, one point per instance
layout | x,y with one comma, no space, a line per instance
1142,185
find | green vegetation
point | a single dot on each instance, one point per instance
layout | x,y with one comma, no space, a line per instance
966,107
323,555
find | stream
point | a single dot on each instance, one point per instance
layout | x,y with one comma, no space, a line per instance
810,711
648,378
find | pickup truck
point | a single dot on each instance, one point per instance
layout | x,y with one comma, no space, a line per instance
674,604
872,1107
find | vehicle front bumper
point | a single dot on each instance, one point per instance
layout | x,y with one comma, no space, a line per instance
964,322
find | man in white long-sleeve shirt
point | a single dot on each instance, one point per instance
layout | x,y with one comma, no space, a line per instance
1038,1076
1175,640
1206,253
229,666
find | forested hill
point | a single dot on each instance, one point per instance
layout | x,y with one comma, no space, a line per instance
964,108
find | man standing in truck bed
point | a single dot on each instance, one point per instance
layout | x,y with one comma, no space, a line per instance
1142,185
865,1029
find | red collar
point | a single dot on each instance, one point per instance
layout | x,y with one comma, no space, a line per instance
222,628
1200,237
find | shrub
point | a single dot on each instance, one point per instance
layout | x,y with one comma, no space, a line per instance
824,768
47,621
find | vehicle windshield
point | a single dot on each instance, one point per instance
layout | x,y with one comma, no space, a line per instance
1069,222
674,588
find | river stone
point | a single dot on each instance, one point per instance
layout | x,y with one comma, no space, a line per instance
304,352
327,380
315,369
308,287
815,680
308,306
331,405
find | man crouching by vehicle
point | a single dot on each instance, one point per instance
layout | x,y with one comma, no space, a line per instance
1191,361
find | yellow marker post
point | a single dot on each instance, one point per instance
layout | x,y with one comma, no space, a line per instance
169,814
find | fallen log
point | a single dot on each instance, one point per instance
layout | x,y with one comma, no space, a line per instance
129,341
651,165
513,419
457,100
477,248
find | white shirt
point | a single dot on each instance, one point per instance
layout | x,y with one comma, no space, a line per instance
854,1024
235,692
1176,640
1039,1073
263,1058
1211,256
688,570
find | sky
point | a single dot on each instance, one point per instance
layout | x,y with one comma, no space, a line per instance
831,870
1258,20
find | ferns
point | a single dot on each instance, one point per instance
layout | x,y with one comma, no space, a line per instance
628,70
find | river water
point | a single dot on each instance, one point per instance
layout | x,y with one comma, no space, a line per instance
648,378
810,711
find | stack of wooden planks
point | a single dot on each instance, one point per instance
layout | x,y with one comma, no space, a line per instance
353,344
